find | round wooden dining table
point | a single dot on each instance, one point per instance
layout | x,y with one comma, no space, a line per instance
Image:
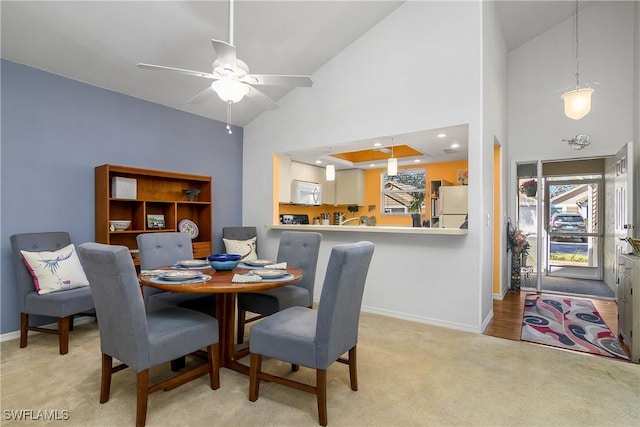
225,291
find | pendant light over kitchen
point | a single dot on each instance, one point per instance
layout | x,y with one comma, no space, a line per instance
330,173
577,102
392,163
330,169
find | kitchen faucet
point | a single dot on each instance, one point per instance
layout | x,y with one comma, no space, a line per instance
349,220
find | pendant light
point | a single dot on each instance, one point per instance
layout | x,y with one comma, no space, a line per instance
392,163
330,170
330,173
577,102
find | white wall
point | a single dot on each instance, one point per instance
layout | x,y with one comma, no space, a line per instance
540,70
494,117
417,69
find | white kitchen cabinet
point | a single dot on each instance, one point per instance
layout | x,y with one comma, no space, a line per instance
629,303
328,192
304,172
284,179
350,187
289,170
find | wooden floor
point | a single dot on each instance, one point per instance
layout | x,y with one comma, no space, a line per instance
507,315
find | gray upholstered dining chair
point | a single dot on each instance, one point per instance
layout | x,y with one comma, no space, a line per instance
141,339
316,339
299,249
167,248
62,305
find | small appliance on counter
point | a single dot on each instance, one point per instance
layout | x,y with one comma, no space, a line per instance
294,219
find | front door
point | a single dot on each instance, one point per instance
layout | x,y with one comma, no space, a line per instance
573,226
619,177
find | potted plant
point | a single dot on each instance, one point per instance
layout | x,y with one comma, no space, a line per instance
529,188
416,207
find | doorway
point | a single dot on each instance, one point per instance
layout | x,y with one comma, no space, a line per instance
560,211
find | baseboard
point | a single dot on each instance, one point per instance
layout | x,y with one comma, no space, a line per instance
417,319
423,320
16,334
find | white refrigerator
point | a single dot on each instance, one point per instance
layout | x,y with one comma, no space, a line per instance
454,202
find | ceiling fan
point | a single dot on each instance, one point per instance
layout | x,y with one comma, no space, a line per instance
231,78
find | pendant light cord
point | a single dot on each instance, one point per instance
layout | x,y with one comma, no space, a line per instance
229,117
577,57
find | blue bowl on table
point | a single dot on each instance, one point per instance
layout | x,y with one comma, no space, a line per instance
224,262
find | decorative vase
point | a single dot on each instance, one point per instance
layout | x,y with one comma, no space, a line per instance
516,278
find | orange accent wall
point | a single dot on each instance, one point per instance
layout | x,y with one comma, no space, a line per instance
447,171
497,199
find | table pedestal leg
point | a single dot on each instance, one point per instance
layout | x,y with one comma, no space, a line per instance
226,314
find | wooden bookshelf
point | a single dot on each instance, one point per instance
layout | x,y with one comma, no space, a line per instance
156,193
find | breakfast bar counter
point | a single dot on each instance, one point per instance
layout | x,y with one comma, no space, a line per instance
372,229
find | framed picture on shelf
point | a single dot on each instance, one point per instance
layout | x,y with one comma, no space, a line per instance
155,221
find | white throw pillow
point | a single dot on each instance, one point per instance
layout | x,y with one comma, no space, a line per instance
246,248
55,271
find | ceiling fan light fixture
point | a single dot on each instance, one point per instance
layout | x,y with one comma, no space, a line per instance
330,173
230,90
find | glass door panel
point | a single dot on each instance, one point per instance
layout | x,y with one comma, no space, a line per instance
573,227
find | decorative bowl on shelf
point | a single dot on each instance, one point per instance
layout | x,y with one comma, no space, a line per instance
119,225
224,262
191,193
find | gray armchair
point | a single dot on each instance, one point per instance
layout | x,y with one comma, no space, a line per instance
139,339
299,249
316,339
61,305
167,248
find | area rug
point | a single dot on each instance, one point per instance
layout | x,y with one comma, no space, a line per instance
569,323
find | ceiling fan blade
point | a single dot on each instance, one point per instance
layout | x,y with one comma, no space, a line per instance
200,97
177,70
277,80
225,53
261,99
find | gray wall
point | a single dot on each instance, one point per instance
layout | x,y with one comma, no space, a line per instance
55,131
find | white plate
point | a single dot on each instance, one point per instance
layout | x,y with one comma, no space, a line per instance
180,275
190,263
189,227
269,274
258,262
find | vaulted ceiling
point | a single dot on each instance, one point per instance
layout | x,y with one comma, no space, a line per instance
100,42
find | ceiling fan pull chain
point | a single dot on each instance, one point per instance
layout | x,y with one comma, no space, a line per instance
229,117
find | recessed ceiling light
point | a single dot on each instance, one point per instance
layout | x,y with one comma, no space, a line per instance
372,165
442,135
416,161
377,144
318,162
455,145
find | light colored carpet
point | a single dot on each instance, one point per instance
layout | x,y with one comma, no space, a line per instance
409,375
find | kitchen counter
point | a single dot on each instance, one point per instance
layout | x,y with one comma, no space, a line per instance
371,229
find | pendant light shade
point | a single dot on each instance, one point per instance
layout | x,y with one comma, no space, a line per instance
330,173
392,163
392,166
577,102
